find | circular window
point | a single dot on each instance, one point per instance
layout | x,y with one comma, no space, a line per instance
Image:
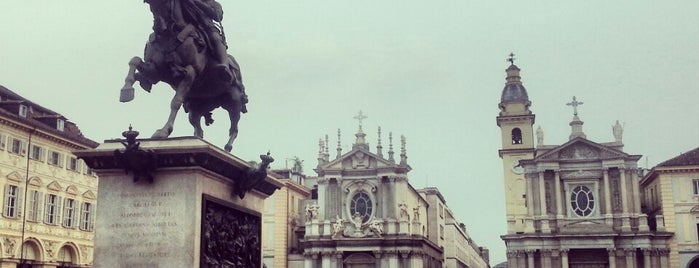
582,201
361,204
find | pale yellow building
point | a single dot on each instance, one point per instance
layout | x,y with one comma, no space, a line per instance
671,200
49,196
280,247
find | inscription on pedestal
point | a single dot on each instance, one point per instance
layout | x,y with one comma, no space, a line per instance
145,222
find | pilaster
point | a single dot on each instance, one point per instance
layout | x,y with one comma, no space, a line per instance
625,222
564,258
542,205
630,258
559,203
611,252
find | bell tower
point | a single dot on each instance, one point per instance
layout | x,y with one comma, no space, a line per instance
516,126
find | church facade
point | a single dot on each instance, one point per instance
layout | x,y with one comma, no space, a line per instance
571,205
365,213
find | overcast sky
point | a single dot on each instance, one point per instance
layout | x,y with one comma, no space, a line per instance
430,70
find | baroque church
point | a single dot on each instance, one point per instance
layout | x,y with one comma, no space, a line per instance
577,204
365,213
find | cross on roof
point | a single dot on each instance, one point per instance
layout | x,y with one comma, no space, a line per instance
359,118
575,103
511,59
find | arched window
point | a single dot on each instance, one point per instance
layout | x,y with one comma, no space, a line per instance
516,136
582,201
361,204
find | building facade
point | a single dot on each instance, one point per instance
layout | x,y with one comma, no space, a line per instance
280,241
365,213
49,196
571,205
671,200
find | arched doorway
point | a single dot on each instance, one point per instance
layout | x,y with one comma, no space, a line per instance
31,255
694,263
67,257
360,260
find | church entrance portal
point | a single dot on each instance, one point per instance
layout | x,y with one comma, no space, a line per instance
588,258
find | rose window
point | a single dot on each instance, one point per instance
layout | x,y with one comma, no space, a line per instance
361,204
582,201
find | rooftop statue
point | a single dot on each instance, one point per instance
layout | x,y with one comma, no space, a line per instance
187,50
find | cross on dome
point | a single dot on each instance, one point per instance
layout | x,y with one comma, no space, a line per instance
511,59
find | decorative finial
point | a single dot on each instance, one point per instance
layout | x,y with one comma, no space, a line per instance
327,150
511,59
379,148
539,136
320,152
359,118
403,155
339,145
130,135
575,103
390,147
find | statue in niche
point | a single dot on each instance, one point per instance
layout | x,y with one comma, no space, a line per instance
416,213
376,227
618,131
338,226
404,211
187,50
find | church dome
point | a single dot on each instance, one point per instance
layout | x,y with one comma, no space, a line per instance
513,91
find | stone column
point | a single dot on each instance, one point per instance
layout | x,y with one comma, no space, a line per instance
511,259
530,258
664,261
646,258
625,222
559,204
542,204
636,195
607,194
611,252
530,195
624,198
310,260
630,258
564,258
416,260
338,259
546,258
521,256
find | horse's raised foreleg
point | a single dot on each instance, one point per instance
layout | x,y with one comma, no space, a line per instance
180,93
127,91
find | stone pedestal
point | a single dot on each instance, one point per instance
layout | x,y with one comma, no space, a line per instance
190,215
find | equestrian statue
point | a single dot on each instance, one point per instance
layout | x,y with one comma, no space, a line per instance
187,50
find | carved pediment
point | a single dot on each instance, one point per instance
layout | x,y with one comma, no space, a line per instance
581,149
14,176
357,159
35,181
89,195
54,186
581,174
72,190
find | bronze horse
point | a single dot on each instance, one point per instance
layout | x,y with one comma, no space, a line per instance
177,53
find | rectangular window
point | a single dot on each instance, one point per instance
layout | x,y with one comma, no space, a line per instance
51,209
69,213
695,183
23,110
55,158
33,213
441,210
86,219
60,124
11,201
17,147
73,164
2,141
441,231
36,153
